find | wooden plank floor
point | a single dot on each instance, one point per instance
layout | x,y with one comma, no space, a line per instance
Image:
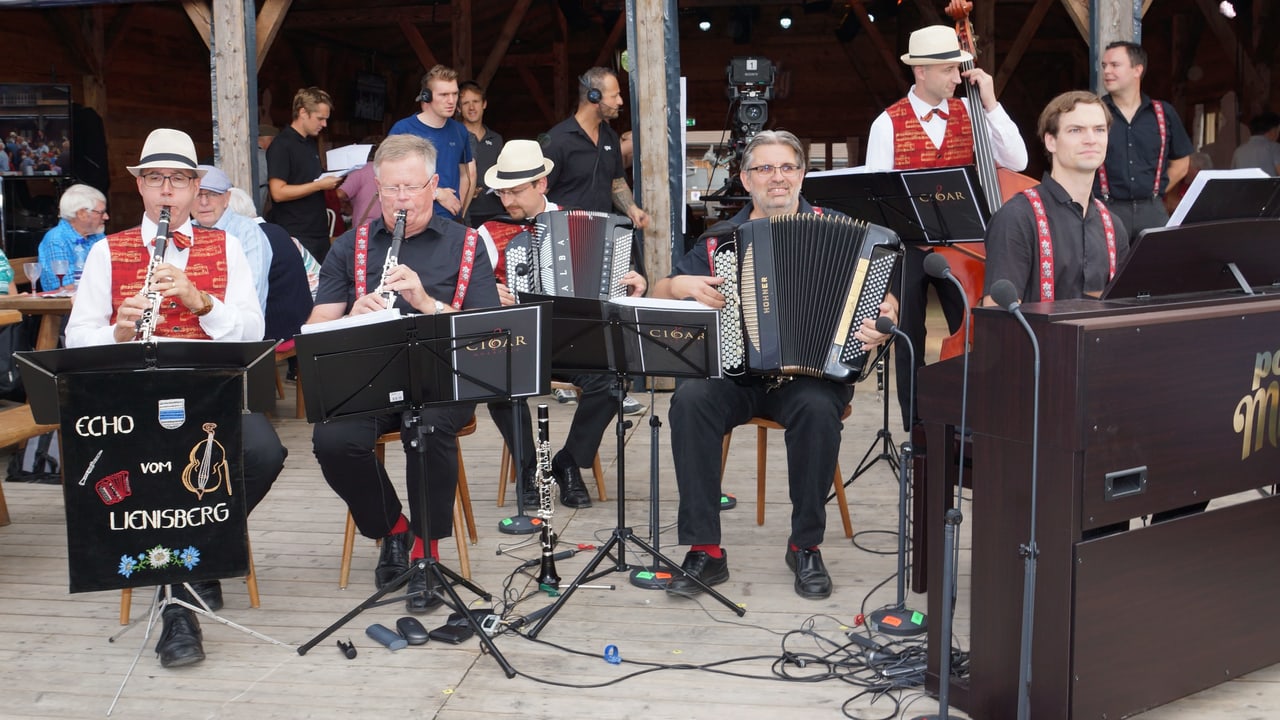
57,660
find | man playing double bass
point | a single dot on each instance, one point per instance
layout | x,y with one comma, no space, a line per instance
929,128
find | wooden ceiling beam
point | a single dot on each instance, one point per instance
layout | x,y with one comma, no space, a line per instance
68,23
461,33
890,61
611,42
358,16
419,44
267,25
1020,44
536,94
505,37
116,30
201,17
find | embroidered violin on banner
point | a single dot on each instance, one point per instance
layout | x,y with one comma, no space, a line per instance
207,469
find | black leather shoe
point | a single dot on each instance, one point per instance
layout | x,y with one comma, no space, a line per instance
529,492
180,639
812,579
700,565
394,558
422,597
573,492
211,592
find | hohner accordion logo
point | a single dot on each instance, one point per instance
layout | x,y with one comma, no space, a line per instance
766,300
1257,415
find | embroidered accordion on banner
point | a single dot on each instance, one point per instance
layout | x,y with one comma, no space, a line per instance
571,253
796,289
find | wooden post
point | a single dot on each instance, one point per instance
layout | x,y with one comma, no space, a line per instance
1109,20
462,38
648,60
236,106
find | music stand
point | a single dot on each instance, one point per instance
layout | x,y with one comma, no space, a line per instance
615,338
1187,260
938,206
411,364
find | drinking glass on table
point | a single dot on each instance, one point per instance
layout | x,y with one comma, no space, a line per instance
60,268
32,271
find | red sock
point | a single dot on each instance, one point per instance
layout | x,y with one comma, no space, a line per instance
794,548
416,553
401,525
712,550
435,549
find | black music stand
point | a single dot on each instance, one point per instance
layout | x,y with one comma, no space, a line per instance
1187,260
411,364
939,206
613,338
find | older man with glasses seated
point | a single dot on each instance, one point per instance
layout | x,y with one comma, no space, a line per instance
83,216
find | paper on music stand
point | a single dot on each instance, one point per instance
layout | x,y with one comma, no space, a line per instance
350,321
345,159
1198,185
676,338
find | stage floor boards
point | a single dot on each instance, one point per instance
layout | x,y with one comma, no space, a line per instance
58,663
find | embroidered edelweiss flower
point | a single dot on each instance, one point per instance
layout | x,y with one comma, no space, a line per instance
190,557
127,565
159,556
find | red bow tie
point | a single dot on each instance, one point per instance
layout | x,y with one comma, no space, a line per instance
929,115
178,239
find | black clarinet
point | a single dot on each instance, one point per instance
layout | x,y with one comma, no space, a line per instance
393,258
146,325
548,579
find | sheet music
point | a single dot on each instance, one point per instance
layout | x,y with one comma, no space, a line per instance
1197,186
351,321
343,160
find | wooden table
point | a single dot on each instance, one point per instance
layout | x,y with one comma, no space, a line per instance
51,308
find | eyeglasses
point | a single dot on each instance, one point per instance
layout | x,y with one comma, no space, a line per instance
788,169
512,192
395,190
98,212
177,182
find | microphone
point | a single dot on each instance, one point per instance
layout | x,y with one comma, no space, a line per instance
1004,293
885,326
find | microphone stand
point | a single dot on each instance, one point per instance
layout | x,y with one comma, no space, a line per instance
898,620
954,517
1004,293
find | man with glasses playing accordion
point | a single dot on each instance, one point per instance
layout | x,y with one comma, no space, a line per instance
810,408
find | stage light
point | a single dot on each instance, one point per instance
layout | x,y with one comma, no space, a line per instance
784,19
704,22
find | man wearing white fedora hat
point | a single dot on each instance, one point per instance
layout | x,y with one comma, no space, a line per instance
930,128
208,294
519,179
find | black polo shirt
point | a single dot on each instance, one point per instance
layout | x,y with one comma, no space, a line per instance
1133,148
296,160
1080,262
696,262
485,150
435,254
584,172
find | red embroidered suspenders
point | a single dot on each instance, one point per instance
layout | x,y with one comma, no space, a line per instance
1044,243
1164,141
464,267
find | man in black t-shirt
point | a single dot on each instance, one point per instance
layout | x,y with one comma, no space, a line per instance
294,169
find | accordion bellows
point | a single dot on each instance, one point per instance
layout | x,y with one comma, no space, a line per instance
797,287
571,253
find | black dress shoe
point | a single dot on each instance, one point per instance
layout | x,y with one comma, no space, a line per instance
812,579
700,565
422,597
573,492
211,592
180,639
393,561
529,492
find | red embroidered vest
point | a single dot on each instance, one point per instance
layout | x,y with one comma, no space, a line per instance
912,148
502,233
206,268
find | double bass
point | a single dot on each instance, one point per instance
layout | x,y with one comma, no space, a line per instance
968,261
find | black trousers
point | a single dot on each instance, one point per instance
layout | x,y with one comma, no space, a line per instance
264,456
597,406
1138,215
913,305
344,449
702,411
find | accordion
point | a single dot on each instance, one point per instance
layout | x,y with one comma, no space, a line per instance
571,253
796,289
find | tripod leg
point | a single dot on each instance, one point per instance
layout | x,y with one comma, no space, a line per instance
439,572
710,590
601,554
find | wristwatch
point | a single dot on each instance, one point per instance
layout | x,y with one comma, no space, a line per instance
206,307
439,307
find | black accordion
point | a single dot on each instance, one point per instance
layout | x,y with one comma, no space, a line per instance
797,287
571,253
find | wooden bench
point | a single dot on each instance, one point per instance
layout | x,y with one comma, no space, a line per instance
17,425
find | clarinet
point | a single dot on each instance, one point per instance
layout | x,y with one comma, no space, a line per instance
146,325
547,577
397,236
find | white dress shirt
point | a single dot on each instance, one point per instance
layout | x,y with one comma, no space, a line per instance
239,318
1007,145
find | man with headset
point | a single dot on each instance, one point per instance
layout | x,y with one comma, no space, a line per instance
587,152
455,164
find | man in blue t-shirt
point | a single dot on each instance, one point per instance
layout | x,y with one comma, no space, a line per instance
455,164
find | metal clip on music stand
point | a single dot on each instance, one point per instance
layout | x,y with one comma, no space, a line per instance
408,365
613,338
